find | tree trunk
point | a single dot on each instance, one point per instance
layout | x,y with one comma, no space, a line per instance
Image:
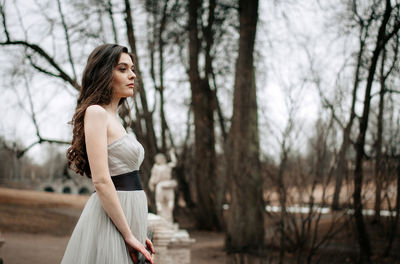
395,221
363,238
282,200
202,103
157,23
163,120
148,138
341,167
378,146
245,227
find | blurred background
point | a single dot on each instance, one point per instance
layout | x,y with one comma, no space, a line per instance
284,117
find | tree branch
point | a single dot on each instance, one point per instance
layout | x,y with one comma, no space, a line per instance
2,7
392,91
66,38
40,69
111,15
62,74
40,139
20,153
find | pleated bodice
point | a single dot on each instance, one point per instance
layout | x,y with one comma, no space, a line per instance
125,154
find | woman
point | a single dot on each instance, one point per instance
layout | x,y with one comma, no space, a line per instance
112,226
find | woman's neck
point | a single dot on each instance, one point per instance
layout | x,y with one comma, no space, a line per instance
112,107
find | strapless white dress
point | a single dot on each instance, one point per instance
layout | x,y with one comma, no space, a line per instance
95,239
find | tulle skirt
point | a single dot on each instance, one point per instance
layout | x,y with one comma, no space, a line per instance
96,240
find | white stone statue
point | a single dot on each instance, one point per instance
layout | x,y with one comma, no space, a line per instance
164,186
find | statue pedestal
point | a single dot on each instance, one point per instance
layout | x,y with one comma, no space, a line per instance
172,244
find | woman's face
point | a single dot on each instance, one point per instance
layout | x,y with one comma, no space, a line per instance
123,77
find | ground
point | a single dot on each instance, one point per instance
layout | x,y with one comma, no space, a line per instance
36,228
22,248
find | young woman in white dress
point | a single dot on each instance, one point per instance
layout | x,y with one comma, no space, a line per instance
101,146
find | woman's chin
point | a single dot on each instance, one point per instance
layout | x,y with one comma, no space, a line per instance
128,94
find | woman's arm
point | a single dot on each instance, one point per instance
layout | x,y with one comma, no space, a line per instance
95,124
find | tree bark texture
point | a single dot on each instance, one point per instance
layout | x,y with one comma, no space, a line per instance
203,110
245,227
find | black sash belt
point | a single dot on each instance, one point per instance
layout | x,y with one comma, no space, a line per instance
129,181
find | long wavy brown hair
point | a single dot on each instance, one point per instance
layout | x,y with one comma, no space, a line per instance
96,88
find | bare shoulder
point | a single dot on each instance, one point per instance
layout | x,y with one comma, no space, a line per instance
95,124
96,112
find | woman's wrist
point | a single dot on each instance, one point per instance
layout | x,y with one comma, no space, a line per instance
128,236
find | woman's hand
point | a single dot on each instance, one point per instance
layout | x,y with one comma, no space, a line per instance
135,246
150,246
134,255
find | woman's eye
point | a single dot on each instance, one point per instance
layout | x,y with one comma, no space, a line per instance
122,69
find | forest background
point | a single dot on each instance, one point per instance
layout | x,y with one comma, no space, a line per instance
284,114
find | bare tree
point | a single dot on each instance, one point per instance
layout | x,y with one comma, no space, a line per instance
379,163
42,61
245,227
384,35
341,166
147,135
285,149
204,125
